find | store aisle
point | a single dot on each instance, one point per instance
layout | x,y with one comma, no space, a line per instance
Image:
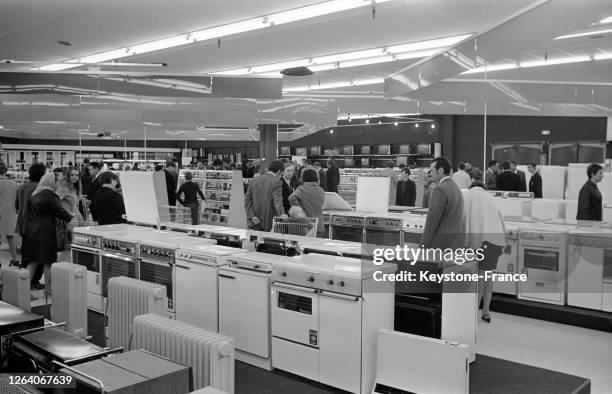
568,349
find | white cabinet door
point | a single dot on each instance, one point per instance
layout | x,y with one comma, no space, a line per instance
340,341
244,310
197,297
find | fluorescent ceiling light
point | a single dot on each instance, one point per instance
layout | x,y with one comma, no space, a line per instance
583,34
606,20
297,14
603,56
354,58
491,67
364,62
332,85
427,44
54,67
550,62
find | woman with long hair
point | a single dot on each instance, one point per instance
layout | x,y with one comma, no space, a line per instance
69,193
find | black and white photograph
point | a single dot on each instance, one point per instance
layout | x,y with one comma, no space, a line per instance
306,196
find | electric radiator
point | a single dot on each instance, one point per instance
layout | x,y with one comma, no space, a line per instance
210,355
128,298
16,287
69,303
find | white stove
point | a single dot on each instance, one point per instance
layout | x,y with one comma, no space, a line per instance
384,229
543,258
325,318
347,226
196,271
225,236
339,248
244,305
157,261
413,228
589,278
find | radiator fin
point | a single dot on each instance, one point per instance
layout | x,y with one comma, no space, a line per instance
16,287
210,355
128,298
69,303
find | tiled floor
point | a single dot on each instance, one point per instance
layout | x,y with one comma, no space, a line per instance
563,348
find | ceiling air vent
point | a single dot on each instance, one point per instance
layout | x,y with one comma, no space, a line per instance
297,72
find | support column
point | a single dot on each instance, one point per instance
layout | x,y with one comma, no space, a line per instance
268,142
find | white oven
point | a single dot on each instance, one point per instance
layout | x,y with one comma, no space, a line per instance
543,258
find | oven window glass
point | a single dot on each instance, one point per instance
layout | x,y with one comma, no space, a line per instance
412,238
379,237
112,267
545,260
156,273
295,303
87,259
353,234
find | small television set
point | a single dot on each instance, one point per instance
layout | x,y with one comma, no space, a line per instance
301,151
348,150
328,152
365,162
349,162
366,149
315,150
423,149
404,149
384,149
285,150
336,150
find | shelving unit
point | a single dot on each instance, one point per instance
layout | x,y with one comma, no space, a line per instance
224,205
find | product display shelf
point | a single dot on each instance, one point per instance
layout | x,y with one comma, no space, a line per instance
224,205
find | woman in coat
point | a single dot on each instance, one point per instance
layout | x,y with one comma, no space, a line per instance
40,237
68,192
484,228
310,197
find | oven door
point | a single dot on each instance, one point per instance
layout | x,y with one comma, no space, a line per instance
378,236
295,314
113,265
343,233
160,273
541,262
412,237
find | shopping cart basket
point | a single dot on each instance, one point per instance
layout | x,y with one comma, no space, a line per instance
295,226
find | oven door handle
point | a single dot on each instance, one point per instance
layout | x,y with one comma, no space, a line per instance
84,248
118,257
541,254
296,288
182,266
339,296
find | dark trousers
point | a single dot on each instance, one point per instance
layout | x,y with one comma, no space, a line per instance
195,213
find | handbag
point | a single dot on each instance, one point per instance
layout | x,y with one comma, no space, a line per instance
62,235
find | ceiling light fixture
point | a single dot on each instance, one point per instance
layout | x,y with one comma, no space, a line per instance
538,63
417,125
492,67
367,121
331,131
54,67
584,34
606,20
550,62
258,23
602,56
412,50
332,85
395,123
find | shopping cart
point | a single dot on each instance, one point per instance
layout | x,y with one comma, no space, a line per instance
295,226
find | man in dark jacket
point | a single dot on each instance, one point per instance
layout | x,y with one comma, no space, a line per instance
589,199
94,171
107,205
406,190
333,176
535,182
507,180
491,175
171,182
259,200
322,175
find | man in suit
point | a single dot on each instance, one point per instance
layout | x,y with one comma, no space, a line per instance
107,206
444,227
535,182
491,175
259,200
521,175
589,199
333,176
507,180
473,172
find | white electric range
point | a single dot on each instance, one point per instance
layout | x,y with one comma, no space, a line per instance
326,313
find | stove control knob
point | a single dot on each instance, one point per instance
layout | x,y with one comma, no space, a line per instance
341,283
330,282
283,273
311,278
540,237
